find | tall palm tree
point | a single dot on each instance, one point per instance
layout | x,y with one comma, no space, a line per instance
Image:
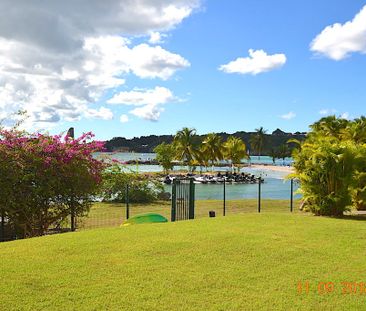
258,140
329,126
184,146
284,152
212,148
235,151
201,158
356,130
274,155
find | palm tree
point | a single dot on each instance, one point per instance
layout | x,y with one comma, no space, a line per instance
329,126
274,155
184,146
283,152
235,151
258,139
212,148
356,130
202,158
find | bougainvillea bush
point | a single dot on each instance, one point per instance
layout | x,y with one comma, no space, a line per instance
43,179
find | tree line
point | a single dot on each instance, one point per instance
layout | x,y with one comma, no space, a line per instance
146,144
186,149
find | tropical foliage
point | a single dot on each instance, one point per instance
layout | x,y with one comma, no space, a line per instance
165,154
185,148
212,148
235,151
43,179
331,166
140,188
258,140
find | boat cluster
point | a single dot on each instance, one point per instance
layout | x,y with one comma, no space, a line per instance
243,178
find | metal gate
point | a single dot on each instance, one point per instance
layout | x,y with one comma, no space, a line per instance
182,199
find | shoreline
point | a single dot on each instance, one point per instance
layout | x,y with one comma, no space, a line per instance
273,168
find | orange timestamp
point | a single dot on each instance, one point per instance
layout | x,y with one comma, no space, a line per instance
323,288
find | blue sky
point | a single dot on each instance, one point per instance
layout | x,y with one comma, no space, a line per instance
298,87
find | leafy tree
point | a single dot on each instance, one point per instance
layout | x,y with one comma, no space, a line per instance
258,140
185,148
212,148
202,158
235,151
331,166
274,155
141,189
284,152
165,155
49,179
329,126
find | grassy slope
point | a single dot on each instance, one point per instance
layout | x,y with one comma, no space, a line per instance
241,262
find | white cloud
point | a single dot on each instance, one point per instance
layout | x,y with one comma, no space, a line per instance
156,37
325,112
257,62
288,116
103,113
139,97
124,118
155,62
150,101
57,59
345,115
338,41
148,112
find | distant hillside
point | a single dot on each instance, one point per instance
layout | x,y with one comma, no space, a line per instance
146,144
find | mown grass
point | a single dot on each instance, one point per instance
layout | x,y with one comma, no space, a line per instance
247,261
113,214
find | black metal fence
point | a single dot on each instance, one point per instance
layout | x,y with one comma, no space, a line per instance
182,199
179,205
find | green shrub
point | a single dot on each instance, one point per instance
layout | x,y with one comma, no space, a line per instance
141,189
331,167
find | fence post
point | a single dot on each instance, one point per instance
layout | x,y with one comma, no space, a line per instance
224,211
174,199
259,194
71,134
73,227
292,195
127,202
191,199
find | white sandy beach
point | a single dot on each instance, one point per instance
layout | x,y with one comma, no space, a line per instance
273,168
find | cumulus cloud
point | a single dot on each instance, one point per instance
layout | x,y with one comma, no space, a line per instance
138,97
325,112
257,62
149,100
148,112
338,41
101,113
124,118
288,116
156,37
58,58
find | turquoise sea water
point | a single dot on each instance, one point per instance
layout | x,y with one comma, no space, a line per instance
274,187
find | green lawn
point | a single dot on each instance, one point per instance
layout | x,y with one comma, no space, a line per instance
246,261
112,214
